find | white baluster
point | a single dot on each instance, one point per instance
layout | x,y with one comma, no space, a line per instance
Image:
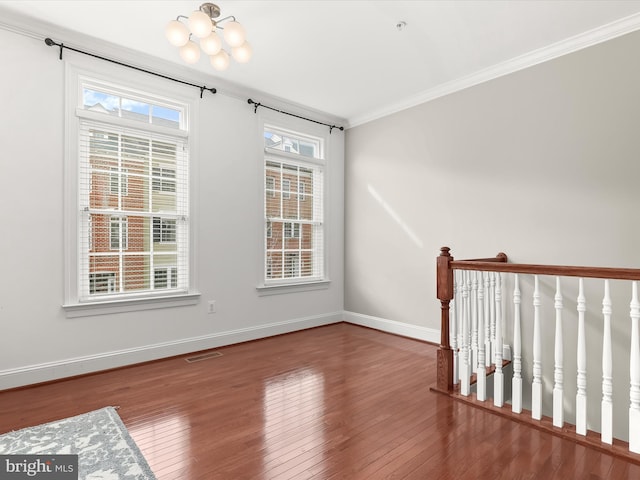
465,374
459,307
498,376
474,321
558,374
634,370
536,387
453,333
516,384
487,321
492,304
607,370
481,368
581,395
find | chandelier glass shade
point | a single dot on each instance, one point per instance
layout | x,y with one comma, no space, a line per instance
201,31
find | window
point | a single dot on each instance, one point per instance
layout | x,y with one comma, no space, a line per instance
118,235
291,264
294,239
165,277
131,190
270,185
291,230
286,188
102,282
164,230
118,182
164,179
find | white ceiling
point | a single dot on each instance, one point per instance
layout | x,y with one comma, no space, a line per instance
347,58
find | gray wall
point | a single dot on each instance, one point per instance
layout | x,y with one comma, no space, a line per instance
541,164
37,340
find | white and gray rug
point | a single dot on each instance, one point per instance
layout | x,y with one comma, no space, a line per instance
105,449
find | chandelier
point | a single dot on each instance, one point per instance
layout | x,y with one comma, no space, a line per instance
203,25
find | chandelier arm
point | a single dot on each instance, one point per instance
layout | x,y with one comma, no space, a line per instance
218,22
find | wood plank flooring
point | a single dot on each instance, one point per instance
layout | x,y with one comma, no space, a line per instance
335,402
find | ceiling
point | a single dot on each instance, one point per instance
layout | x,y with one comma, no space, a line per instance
347,58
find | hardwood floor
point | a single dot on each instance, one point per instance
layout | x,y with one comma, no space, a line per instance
335,402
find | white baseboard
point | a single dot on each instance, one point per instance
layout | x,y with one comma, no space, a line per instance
44,372
392,326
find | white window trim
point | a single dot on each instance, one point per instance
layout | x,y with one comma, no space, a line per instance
277,289
267,119
73,307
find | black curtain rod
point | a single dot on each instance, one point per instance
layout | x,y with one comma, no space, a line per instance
255,110
202,88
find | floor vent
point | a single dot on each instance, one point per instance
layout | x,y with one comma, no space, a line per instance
204,356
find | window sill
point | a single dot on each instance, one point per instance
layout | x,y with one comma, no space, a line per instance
277,289
129,305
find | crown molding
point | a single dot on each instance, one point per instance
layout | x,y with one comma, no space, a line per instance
572,44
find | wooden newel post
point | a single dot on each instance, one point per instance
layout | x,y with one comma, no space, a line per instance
444,282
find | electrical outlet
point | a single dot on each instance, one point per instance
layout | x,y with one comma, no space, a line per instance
212,306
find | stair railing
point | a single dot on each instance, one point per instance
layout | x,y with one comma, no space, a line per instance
472,339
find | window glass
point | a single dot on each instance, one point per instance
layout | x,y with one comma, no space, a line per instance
134,195
293,206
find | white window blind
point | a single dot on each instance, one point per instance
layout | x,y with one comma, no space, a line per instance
134,199
293,198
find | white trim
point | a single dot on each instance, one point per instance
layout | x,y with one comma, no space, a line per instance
131,124
592,37
292,286
391,326
16,377
123,305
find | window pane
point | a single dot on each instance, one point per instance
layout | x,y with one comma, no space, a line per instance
133,195
129,108
118,236
103,274
134,110
99,101
293,216
160,278
292,144
100,283
135,270
166,117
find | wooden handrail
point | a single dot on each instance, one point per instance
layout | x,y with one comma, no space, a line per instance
559,270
